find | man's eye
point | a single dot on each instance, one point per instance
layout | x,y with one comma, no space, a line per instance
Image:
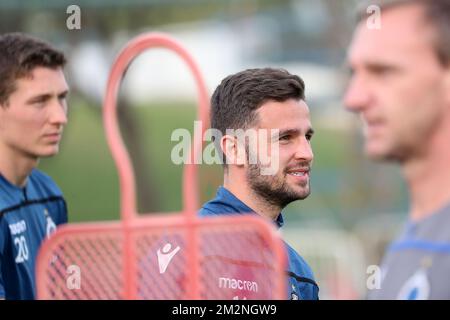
62,97
382,71
286,137
308,137
39,103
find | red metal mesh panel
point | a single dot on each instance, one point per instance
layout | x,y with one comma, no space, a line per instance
98,256
238,262
161,263
237,259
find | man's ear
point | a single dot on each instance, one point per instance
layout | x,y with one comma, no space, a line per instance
233,150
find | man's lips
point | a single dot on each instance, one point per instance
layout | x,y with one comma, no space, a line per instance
53,136
373,126
301,172
372,121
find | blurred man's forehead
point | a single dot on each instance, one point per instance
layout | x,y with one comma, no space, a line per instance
403,31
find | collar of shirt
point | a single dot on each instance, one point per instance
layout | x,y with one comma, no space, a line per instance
225,199
15,191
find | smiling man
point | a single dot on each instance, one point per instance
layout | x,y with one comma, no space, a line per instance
33,112
400,86
269,101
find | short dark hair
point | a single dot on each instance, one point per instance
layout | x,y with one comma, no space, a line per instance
437,14
19,55
235,101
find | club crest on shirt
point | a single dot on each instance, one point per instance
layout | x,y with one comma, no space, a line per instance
417,287
50,224
294,295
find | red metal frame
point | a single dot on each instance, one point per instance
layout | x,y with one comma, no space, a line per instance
129,216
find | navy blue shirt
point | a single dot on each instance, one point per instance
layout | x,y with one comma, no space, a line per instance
27,216
300,275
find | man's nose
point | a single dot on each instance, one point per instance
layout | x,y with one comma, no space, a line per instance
58,113
304,151
357,95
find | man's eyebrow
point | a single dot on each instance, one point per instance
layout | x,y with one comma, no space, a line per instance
46,96
284,132
291,131
39,97
377,66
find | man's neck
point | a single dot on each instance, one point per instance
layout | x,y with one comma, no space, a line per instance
244,193
15,168
428,181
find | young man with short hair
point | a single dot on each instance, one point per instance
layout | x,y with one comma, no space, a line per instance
33,112
270,100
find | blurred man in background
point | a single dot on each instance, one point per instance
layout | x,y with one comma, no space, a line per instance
400,86
33,112
265,99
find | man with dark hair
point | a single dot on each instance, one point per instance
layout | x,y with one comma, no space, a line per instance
33,112
400,86
270,101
